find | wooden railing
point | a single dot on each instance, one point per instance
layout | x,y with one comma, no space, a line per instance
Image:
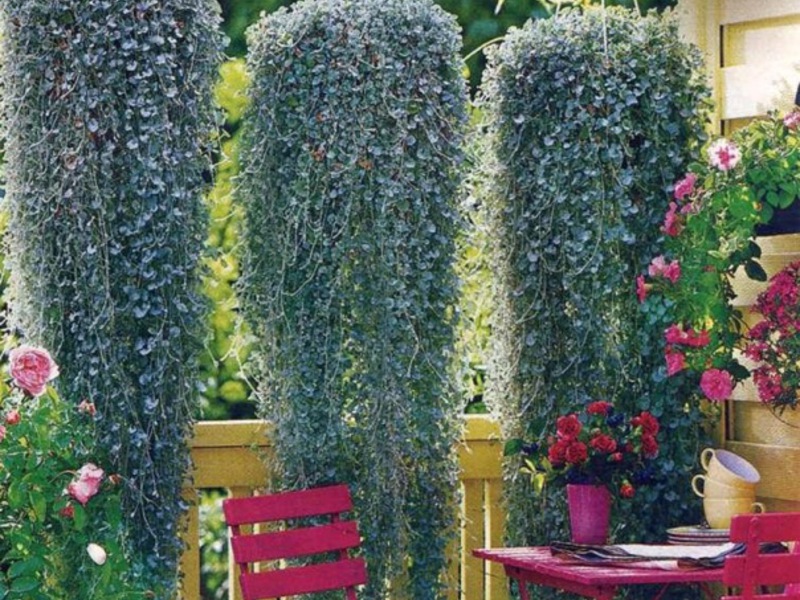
230,455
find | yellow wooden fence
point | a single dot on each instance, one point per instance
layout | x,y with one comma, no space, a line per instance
230,455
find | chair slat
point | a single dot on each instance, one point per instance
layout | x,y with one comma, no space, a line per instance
772,569
292,543
765,597
773,527
287,505
304,580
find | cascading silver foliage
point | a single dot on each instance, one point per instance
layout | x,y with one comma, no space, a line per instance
590,117
108,115
350,170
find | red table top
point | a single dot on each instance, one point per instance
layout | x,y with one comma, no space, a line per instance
538,559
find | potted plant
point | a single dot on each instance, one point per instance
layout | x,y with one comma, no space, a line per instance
709,232
592,452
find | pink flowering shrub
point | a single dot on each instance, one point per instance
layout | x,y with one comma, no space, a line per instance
773,344
55,501
599,446
708,236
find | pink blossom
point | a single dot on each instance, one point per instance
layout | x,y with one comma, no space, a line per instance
87,484
13,417
31,368
717,384
724,154
641,288
768,383
2,432
659,267
87,407
792,120
676,334
685,187
676,361
756,350
672,223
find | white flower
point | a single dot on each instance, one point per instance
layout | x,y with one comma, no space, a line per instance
97,554
724,154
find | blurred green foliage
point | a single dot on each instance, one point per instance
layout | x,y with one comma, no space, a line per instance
226,393
481,20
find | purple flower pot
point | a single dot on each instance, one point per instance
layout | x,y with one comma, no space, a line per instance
589,512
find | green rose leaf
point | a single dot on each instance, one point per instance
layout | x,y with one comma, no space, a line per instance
755,271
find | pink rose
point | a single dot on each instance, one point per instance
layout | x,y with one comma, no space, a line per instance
685,187
641,288
717,384
672,222
13,417
792,120
87,484
676,361
675,334
724,155
31,368
659,267
2,432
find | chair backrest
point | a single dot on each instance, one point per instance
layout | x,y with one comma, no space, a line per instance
753,571
332,537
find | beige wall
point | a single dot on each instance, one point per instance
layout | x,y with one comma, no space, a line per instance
753,63
753,53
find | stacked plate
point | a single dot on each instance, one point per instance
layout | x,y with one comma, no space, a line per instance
693,535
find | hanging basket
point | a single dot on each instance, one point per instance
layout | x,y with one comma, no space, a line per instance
784,220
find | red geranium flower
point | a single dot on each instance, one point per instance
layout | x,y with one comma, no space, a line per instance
568,427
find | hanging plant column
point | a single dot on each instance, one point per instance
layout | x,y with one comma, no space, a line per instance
108,114
590,118
349,175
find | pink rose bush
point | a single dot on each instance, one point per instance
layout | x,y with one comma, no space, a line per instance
708,228
55,499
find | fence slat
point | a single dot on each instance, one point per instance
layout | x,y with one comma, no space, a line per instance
471,539
739,11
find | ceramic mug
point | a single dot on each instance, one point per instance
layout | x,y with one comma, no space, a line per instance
720,512
711,488
728,468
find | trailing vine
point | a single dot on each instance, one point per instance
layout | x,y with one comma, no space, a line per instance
582,142
349,180
107,108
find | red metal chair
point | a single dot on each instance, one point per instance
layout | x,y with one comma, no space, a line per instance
752,571
334,537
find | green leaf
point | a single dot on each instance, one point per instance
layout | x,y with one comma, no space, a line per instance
755,271
512,446
24,567
24,584
16,494
38,505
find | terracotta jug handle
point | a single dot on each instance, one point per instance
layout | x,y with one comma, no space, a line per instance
705,457
695,489
758,507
